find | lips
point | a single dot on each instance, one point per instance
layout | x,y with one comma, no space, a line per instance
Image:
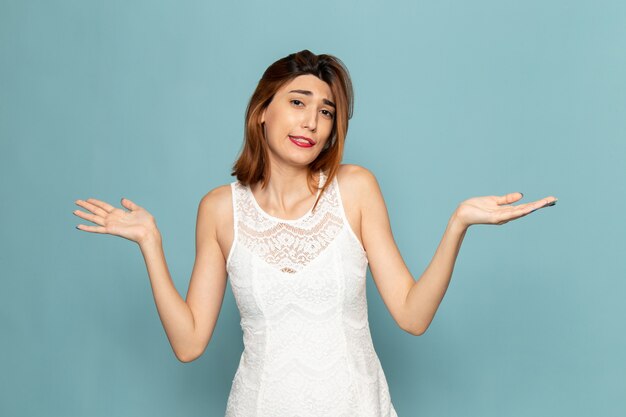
303,140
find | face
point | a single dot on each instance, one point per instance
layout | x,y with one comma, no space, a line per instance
299,120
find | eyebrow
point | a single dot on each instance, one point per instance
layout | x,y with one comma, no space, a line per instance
309,93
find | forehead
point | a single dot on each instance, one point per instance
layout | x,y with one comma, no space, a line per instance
308,82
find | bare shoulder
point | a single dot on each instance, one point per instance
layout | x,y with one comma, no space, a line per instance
359,188
356,179
215,217
355,185
218,200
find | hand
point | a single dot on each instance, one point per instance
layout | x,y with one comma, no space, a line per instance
494,209
136,225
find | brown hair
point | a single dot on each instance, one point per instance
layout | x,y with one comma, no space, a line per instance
252,164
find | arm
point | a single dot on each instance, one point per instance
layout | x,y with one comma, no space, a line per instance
389,271
189,324
425,295
413,304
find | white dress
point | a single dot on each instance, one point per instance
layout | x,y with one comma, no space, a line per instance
300,289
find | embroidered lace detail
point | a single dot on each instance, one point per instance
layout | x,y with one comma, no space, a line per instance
287,245
300,289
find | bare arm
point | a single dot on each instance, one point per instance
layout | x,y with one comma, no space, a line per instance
188,324
425,295
412,303
175,314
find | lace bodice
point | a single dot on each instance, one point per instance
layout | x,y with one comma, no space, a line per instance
300,289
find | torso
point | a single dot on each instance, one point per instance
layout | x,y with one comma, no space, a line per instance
300,289
349,196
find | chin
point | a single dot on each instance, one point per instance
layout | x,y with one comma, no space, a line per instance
301,162
295,157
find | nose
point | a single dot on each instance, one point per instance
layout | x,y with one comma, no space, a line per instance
310,120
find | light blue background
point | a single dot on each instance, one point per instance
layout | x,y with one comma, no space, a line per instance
146,99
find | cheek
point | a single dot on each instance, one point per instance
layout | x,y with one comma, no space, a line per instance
278,123
328,129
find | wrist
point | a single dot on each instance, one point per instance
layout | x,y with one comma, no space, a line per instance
457,223
151,237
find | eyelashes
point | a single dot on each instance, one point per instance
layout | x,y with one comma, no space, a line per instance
327,113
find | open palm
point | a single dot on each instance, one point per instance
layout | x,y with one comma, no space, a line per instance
496,209
135,224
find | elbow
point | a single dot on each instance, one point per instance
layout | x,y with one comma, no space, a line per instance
414,329
190,351
415,332
186,357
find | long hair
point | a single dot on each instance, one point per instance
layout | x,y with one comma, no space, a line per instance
253,164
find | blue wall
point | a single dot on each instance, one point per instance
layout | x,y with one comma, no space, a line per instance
145,100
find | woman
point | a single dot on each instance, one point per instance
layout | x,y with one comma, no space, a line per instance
295,234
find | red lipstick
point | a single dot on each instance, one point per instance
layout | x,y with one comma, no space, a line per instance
302,141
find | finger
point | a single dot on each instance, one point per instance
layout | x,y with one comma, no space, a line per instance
93,229
92,208
507,213
104,206
529,207
519,207
509,198
544,202
525,209
129,204
91,217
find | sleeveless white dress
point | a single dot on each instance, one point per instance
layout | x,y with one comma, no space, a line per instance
299,286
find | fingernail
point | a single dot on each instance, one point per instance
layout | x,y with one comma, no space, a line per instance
521,194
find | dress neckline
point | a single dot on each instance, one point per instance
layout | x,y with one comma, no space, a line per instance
278,219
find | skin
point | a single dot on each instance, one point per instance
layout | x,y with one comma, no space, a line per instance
189,323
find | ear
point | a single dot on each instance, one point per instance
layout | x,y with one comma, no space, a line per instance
263,115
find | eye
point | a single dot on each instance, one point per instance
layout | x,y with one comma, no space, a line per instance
329,114
295,101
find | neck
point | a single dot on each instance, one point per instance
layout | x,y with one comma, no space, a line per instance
286,190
